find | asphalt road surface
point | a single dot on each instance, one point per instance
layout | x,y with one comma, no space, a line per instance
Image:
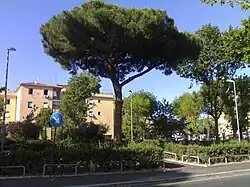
185,173
230,181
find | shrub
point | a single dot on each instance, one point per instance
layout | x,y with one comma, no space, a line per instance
34,154
88,132
204,152
25,130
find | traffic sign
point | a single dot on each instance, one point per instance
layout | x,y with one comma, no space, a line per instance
56,120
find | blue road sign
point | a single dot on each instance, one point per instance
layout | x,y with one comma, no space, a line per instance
56,120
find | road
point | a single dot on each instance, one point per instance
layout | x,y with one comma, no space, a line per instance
235,181
181,173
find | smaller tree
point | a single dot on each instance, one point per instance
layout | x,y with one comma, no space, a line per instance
74,105
214,94
189,106
243,94
43,120
144,104
165,122
88,132
23,130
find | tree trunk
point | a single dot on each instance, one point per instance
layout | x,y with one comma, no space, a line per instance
216,130
118,111
241,135
208,133
247,126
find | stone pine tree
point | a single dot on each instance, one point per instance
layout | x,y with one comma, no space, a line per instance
120,44
1,107
244,4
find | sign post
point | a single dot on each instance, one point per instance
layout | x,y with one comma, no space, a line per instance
56,120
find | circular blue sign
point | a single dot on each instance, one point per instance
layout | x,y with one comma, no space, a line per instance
56,120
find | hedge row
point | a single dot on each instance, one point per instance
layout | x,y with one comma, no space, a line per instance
229,150
145,155
33,155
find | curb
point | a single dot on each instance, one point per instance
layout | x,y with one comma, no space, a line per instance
205,165
186,163
79,175
169,180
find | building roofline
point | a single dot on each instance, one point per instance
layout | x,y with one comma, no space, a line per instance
36,84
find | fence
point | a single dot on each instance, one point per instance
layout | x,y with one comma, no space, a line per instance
194,157
15,167
227,159
170,153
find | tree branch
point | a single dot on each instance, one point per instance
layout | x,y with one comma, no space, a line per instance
128,80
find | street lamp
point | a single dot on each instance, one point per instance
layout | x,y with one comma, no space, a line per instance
5,96
131,115
236,107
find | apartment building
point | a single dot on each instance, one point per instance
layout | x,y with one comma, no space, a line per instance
102,111
10,106
33,96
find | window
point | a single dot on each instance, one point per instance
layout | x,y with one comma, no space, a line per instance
45,105
7,114
30,104
99,113
45,92
99,101
91,113
30,91
8,101
55,104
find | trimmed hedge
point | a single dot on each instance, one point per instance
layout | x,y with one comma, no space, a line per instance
229,150
33,155
145,155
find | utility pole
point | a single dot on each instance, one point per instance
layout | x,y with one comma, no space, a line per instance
131,115
5,97
236,108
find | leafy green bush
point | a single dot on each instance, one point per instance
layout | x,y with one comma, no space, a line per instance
34,154
204,152
25,130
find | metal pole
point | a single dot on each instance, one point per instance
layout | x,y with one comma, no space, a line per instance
131,116
236,110
5,98
53,151
5,101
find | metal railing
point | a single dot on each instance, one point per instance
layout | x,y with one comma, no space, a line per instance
63,165
15,167
226,158
248,156
195,157
170,153
219,157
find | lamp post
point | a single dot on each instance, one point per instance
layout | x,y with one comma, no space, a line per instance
131,115
5,97
236,107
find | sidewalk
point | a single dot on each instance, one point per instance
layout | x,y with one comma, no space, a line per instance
181,174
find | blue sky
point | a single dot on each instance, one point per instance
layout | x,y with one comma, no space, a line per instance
21,20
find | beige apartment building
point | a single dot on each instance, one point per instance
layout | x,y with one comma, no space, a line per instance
33,96
10,106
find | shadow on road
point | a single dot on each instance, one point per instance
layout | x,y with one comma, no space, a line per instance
98,179
171,165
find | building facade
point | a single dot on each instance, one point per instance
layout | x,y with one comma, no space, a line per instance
10,106
102,111
31,97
